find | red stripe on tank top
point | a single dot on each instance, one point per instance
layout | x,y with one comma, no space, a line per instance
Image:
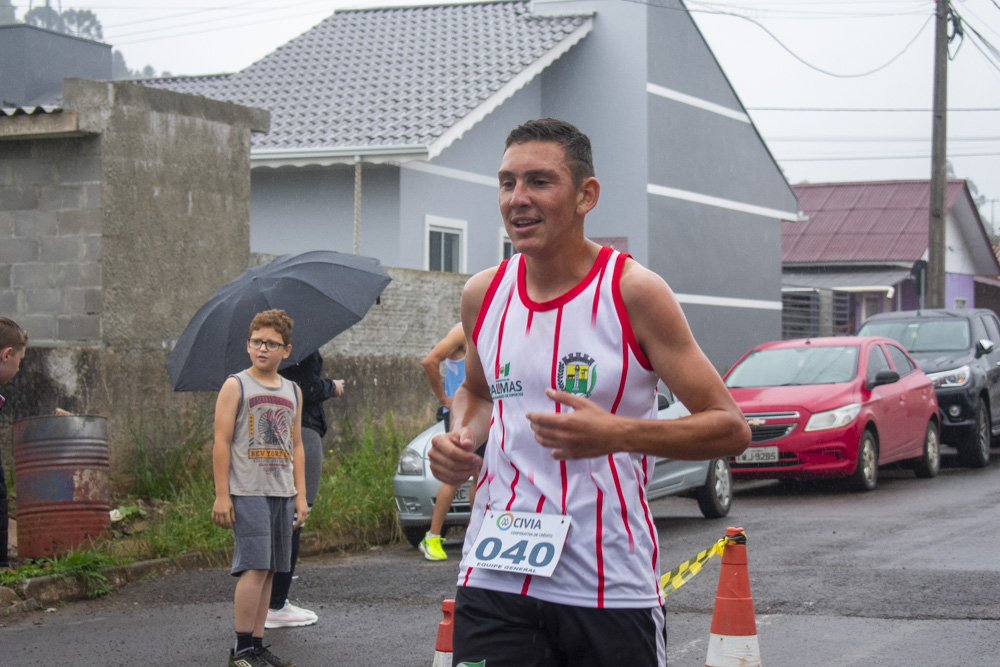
488,299
513,485
527,577
622,503
565,484
503,322
627,333
653,537
597,294
555,352
599,552
527,326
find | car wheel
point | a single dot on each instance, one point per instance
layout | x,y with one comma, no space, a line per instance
414,534
715,497
974,452
865,476
929,462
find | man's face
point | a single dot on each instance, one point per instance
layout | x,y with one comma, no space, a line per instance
538,201
267,349
10,362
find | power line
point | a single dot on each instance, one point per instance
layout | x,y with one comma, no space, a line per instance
845,158
820,69
874,139
871,110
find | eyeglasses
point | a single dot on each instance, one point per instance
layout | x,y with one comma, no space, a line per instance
257,343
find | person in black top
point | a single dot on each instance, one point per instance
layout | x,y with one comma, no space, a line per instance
308,374
13,342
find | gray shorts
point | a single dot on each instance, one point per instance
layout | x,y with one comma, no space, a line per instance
262,533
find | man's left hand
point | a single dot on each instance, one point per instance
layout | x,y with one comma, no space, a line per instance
581,433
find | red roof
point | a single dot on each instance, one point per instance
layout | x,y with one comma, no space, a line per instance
858,222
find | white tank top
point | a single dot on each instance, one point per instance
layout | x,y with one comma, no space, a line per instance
581,342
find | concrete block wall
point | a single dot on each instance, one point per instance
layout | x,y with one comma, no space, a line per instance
50,239
110,240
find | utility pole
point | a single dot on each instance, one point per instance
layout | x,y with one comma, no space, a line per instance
357,204
939,175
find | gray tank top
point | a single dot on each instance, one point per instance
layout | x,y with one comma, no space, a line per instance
261,451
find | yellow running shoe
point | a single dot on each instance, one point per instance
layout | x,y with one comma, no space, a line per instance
431,547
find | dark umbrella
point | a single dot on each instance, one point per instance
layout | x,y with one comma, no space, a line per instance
324,292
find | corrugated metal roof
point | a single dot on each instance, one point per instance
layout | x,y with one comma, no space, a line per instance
397,76
845,281
857,222
30,111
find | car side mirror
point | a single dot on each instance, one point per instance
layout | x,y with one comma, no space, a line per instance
881,378
984,346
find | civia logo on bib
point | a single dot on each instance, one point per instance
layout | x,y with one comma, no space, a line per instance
577,374
506,521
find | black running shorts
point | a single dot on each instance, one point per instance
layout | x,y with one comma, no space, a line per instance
507,630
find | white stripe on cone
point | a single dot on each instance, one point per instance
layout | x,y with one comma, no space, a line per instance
441,659
729,651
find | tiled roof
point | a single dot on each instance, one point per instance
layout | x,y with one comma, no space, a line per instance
195,85
875,221
399,76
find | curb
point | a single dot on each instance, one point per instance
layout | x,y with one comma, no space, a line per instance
39,592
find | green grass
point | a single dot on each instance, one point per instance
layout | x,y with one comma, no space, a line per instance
355,501
80,562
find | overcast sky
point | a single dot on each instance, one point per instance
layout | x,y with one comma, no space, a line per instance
795,54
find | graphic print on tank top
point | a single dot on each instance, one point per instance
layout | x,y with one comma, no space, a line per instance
270,425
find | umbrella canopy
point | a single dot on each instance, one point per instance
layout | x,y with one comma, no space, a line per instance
324,292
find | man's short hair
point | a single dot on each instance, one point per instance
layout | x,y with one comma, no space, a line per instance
575,143
12,335
275,319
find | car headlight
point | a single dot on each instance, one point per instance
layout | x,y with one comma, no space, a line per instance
953,378
833,418
410,463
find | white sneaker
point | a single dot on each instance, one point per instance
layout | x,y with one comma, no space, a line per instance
289,616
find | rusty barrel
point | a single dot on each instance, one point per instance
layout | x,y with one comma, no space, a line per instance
63,483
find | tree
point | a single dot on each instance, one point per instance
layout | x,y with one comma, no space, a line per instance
8,12
45,17
82,23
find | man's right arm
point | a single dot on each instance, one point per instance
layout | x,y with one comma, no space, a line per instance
452,455
226,408
432,362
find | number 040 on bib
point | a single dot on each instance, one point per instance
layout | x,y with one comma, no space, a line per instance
522,542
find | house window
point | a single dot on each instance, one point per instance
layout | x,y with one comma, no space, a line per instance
446,242
506,246
959,302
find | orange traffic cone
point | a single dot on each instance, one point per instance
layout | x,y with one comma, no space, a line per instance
733,642
442,648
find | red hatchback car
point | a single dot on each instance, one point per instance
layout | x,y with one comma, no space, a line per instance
834,407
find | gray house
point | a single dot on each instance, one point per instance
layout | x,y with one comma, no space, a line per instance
387,127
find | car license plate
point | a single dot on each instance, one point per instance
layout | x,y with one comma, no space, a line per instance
758,455
462,494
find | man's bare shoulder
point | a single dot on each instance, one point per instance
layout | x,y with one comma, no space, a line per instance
640,285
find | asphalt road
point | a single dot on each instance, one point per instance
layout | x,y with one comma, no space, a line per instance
907,575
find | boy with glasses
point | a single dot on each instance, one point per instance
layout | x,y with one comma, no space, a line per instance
260,491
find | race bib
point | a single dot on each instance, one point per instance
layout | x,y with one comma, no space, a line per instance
522,542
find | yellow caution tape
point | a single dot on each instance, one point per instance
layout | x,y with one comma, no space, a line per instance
680,575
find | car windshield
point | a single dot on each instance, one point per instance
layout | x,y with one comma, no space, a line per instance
922,336
796,366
